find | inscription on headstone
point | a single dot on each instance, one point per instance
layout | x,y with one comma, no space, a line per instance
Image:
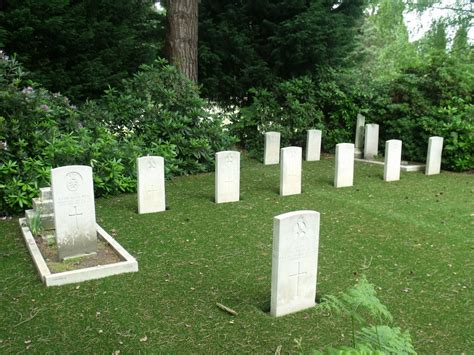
313,145
294,261
371,143
74,210
433,158
290,171
344,174
272,148
227,184
151,184
393,157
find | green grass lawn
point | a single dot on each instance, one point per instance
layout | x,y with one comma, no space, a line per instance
412,238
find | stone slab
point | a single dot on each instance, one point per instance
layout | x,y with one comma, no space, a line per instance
294,262
227,177
290,171
272,148
47,221
43,206
405,166
393,158
46,193
433,158
313,145
344,167
359,135
74,216
151,184
371,140
129,264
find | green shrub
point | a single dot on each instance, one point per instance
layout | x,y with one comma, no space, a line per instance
291,108
433,99
160,106
159,113
296,105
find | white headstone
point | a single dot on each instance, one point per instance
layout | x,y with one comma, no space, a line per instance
344,174
227,187
272,148
74,210
393,158
433,159
290,171
313,145
371,143
151,184
359,137
294,262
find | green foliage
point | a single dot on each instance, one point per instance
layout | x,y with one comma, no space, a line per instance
159,113
247,43
290,109
160,106
294,106
35,223
360,304
80,47
433,98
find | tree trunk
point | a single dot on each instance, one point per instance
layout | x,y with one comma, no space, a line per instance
182,36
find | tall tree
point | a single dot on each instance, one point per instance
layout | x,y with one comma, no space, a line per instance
80,47
182,36
250,43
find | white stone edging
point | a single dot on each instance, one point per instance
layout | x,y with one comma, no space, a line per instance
403,167
129,264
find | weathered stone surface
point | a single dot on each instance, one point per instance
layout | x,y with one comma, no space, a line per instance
43,206
359,137
227,180
272,148
74,210
294,262
433,158
290,171
46,193
344,169
393,158
151,184
313,145
371,143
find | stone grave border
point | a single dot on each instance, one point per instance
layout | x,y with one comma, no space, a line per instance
403,167
128,263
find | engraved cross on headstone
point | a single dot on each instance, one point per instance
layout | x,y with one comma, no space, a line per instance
298,275
228,173
75,214
152,188
151,163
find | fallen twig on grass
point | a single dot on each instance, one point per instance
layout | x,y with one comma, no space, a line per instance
28,319
227,309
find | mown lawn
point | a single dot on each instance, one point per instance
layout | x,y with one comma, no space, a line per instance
412,238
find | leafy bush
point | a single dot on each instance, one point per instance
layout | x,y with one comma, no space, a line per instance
433,99
160,106
296,105
290,109
40,130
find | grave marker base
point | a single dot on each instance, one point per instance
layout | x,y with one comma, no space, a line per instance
128,263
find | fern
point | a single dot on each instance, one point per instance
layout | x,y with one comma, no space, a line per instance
361,304
389,340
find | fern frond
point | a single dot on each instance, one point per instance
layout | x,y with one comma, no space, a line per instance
386,339
362,297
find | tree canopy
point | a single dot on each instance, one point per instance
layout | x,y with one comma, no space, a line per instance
78,48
